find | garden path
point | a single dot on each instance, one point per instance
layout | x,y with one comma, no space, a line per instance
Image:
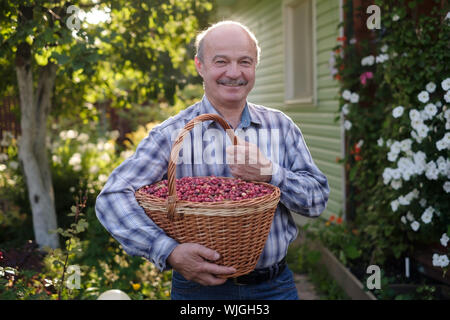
305,289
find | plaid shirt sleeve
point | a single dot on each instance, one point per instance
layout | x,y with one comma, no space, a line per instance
304,188
119,212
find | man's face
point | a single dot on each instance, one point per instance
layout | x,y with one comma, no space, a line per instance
228,67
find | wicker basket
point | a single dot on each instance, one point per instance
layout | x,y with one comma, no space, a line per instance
237,230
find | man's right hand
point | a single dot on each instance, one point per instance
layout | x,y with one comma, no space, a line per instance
189,259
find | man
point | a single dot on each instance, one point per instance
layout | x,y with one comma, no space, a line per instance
227,55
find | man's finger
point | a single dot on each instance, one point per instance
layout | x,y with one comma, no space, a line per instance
207,253
216,269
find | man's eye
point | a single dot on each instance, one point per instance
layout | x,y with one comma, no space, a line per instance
246,62
220,61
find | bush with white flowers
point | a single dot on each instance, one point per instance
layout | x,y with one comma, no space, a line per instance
422,162
395,97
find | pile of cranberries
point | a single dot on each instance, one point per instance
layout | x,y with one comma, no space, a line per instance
209,189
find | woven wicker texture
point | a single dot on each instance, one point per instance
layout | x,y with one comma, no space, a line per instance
237,230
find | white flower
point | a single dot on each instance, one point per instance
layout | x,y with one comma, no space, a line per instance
396,17
431,87
114,134
432,172
403,219
415,226
347,125
94,169
75,159
405,145
394,205
72,134
447,186
440,261
102,178
409,216
396,184
368,61
447,114
126,154
414,115
403,201
83,138
447,17
380,142
442,165
446,138
397,112
387,175
382,58
354,98
56,159
63,135
346,94
396,147
384,48
431,110
105,157
444,239
427,215
424,115
72,189
392,156
2,167
443,261
345,110
422,130
396,174
445,84
423,202
441,145
423,96
447,97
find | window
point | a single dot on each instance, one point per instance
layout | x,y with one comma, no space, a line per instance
299,52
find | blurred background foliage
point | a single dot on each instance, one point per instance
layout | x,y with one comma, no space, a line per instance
129,67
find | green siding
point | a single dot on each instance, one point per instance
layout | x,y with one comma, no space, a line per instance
321,133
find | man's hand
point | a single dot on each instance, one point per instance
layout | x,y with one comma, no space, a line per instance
247,162
189,259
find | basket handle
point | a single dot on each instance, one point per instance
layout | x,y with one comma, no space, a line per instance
172,169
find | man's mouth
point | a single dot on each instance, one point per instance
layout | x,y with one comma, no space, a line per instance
232,83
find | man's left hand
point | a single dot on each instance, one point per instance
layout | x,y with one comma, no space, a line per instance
248,163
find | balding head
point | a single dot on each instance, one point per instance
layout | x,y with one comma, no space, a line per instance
222,29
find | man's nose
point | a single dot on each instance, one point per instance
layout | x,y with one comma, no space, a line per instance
233,70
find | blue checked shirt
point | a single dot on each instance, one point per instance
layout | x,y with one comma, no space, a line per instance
304,188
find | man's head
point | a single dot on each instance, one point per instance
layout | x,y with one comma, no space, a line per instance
227,55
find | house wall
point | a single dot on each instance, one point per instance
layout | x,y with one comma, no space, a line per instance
321,133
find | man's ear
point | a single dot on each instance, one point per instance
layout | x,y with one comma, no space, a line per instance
198,66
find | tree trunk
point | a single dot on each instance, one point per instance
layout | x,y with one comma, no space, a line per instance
32,144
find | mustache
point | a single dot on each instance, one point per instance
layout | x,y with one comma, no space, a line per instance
232,82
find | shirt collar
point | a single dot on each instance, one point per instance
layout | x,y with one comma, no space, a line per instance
248,114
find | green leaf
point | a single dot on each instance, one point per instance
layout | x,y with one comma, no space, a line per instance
352,252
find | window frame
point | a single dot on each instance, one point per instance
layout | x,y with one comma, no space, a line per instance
289,55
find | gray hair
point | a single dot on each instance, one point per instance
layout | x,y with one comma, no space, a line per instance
199,39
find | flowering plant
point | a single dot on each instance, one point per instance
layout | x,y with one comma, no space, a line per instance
395,102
